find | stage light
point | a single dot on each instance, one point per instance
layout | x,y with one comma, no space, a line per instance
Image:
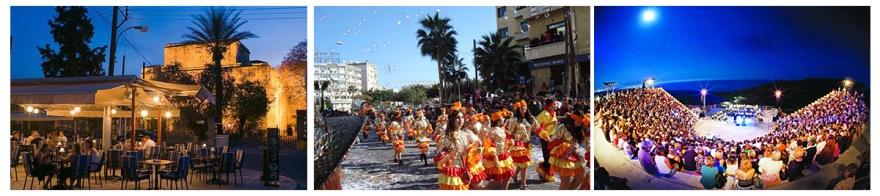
649,15
649,82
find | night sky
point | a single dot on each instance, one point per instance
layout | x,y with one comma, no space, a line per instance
730,43
279,29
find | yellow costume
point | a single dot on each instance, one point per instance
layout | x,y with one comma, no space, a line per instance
564,156
450,162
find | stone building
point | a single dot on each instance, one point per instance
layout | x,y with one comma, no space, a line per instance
194,58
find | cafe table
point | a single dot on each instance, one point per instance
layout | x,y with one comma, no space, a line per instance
156,164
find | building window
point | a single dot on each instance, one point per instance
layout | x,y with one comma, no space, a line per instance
557,28
524,26
502,11
503,32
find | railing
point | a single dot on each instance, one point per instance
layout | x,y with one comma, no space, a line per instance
545,50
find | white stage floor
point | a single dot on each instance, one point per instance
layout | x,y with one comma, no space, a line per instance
727,130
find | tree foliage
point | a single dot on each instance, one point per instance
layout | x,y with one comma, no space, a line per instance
72,30
191,109
436,39
499,61
249,105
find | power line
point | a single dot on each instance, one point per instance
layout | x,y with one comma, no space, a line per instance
135,48
190,19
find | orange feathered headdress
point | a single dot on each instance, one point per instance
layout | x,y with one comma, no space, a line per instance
578,120
520,104
456,106
497,115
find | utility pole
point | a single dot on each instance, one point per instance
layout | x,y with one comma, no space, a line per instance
572,67
113,37
476,70
123,65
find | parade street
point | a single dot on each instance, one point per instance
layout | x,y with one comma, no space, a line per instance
369,166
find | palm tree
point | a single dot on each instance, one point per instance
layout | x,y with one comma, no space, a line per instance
216,29
437,40
497,59
455,71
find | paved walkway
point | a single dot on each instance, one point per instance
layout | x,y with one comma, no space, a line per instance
251,181
369,166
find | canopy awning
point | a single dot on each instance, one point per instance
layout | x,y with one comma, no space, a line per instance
99,90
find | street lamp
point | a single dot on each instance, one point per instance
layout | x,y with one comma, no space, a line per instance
114,39
778,95
703,94
847,83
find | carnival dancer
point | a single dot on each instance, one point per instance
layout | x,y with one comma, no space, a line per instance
397,137
440,126
408,126
566,153
450,159
474,152
366,112
382,128
546,126
587,123
522,125
423,130
496,157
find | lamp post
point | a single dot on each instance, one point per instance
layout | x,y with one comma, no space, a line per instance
703,94
778,95
114,36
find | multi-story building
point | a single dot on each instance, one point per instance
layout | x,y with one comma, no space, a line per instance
540,31
346,81
194,58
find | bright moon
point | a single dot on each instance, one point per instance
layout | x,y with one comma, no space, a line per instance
649,15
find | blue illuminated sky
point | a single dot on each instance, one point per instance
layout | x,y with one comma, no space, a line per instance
386,36
723,43
278,28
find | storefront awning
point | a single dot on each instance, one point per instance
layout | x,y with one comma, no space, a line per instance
99,90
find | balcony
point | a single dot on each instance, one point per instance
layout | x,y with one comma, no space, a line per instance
520,36
546,50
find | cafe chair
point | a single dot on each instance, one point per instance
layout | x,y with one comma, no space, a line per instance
130,173
179,176
81,170
226,166
96,168
28,170
15,161
239,157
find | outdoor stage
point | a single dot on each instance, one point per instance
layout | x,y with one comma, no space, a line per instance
727,130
